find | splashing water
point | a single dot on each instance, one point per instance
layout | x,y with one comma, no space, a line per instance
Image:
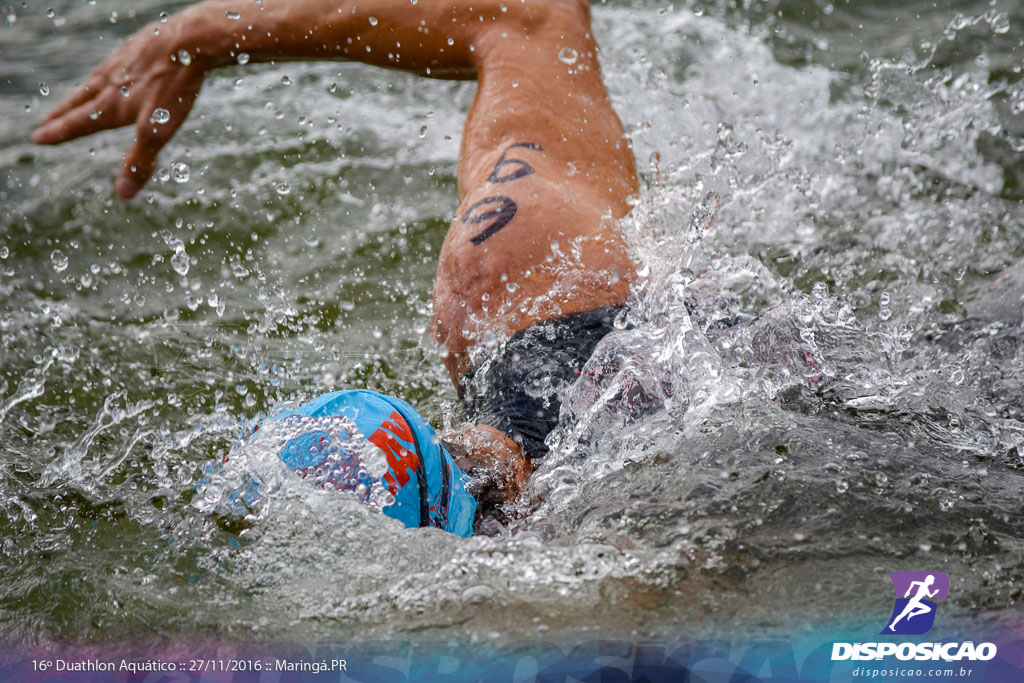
819,373
328,452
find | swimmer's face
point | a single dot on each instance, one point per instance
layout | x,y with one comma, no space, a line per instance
496,462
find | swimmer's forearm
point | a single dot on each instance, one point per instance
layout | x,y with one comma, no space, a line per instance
430,37
152,80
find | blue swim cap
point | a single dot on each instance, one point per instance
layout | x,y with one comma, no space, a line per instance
428,487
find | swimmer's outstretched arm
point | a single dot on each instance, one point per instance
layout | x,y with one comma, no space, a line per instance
163,65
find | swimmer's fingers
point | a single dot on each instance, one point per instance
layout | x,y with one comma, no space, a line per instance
85,93
97,105
96,111
155,125
112,95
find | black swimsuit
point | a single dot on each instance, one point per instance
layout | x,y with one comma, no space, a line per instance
517,390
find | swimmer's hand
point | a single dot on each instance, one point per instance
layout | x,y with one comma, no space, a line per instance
144,82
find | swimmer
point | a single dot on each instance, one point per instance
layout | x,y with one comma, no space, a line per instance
532,256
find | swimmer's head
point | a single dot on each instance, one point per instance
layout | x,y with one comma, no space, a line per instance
427,485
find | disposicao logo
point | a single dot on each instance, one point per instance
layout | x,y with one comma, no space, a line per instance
917,594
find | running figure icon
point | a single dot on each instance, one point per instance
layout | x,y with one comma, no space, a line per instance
916,607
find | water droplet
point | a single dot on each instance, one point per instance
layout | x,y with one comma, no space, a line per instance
44,89
282,188
413,2
285,80
515,84
231,14
163,16
160,115
451,41
180,172
95,113
567,55
842,486
4,251
180,261
489,340
59,260
333,87
1000,23
125,91
184,57
242,58
946,504
820,290
50,14
423,131
373,21
479,593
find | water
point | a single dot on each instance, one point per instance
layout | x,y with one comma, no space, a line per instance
837,355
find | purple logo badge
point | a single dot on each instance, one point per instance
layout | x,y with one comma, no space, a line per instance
916,596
